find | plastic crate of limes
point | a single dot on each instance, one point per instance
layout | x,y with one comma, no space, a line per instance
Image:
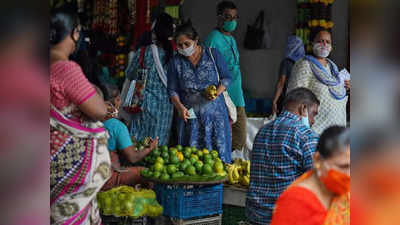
125,201
184,164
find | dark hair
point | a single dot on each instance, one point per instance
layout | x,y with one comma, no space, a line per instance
110,92
332,139
188,30
62,23
225,5
301,96
163,29
315,31
99,91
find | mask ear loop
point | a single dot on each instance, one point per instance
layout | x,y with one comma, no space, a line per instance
306,108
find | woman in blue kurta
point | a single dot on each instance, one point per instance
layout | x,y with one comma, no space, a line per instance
156,118
189,74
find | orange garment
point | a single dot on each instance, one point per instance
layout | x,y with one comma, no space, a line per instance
298,205
378,197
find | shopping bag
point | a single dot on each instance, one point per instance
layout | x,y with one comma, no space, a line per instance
254,38
133,100
228,101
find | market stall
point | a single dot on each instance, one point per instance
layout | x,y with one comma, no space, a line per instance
112,30
191,186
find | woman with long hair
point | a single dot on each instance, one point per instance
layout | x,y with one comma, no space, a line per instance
156,116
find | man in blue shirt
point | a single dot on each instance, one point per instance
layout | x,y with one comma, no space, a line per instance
282,151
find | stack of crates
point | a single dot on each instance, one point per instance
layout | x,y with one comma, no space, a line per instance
234,205
191,204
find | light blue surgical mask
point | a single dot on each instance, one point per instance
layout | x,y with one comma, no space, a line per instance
230,26
305,120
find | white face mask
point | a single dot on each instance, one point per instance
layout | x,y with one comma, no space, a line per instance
187,51
321,50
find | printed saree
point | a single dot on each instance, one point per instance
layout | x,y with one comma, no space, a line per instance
79,167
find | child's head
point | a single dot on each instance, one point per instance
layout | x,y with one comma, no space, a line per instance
112,94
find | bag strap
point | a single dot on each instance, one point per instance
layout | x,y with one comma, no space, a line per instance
141,57
262,20
215,65
159,68
259,23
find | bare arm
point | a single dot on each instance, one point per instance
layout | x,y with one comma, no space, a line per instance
278,93
134,156
94,107
279,88
347,85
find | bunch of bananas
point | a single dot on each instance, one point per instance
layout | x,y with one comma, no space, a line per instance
239,172
211,92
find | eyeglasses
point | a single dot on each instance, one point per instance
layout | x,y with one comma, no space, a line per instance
229,17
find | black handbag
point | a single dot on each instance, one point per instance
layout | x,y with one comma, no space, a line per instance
254,38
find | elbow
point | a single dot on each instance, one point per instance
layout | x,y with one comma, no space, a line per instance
101,114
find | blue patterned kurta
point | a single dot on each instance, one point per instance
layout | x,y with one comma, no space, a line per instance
211,129
156,118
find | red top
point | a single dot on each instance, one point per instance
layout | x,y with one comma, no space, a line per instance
298,205
68,85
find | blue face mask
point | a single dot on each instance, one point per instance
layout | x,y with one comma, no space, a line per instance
305,120
230,26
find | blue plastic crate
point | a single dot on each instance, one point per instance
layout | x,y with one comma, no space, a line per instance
257,105
184,202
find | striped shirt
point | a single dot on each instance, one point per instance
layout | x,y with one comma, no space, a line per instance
68,85
282,151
